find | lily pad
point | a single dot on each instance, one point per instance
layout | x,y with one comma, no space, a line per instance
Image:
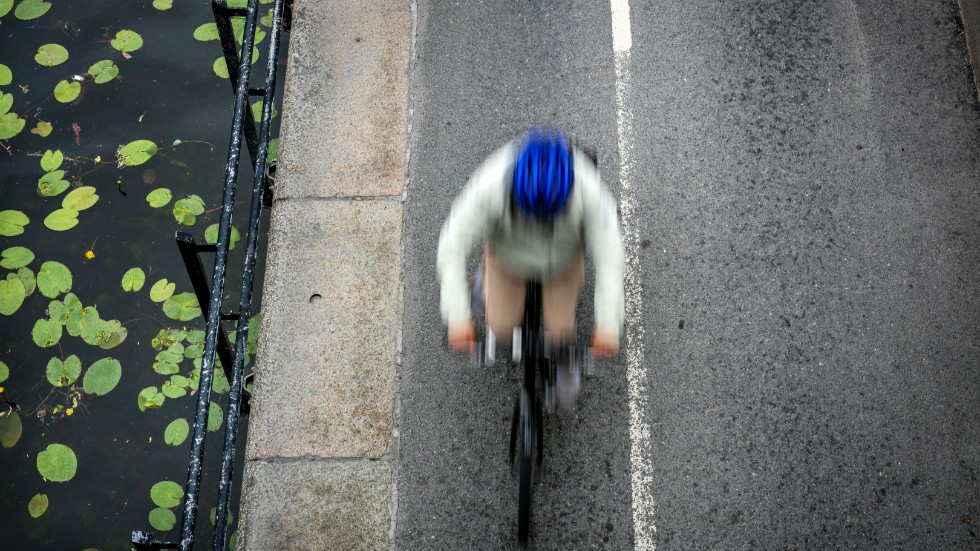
182,307
10,125
42,129
6,77
162,519
176,432
6,102
163,4
150,397
80,198
4,372
171,390
66,92
211,235
215,416
133,279
62,220
38,505
273,152
162,290
11,428
26,277
116,337
136,152
187,210
102,376
50,55
127,41
52,183
64,373
46,333
104,71
219,384
31,9
52,160
16,257
57,463
166,494
93,329
12,222
12,293
206,32
53,279
159,197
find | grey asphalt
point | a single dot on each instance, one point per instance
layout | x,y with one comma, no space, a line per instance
808,203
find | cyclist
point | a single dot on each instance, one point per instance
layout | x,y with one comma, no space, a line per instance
538,204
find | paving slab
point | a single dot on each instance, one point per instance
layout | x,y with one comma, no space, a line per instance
331,505
324,376
345,108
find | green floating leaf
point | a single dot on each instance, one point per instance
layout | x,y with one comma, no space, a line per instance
220,67
52,183
16,257
117,335
27,278
6,77
159,197
172,391
176,432
163,519
166,494
133,279
150,397
52,160
211,235
4,372
80,198
38,505
66,92
102,376
206,32
53,279
11,428
135,153
31,9
219,384
64,373
215,417
93,329
12,293
182,307
46,333
104,71
162,290
10,125
257,111
6,102
267,19
127,41
62,220
50,55
273,153
57,463
187,210
42,129
229,518
163,4
12,222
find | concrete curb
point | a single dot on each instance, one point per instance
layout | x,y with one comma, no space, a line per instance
320,457
970,12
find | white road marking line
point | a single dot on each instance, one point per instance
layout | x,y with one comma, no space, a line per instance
641,469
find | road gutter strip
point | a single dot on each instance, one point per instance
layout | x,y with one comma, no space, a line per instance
322,452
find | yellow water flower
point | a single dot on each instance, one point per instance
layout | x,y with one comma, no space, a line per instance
69,411
89,255
1,390
98,159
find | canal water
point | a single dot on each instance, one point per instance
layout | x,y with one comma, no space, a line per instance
90,427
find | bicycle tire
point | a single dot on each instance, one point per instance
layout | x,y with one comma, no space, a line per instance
525,471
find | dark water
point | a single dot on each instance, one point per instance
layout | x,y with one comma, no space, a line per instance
167,91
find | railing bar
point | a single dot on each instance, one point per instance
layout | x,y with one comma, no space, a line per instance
192,488
244,308
222,17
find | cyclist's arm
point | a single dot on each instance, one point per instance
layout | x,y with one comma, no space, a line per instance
604,242
472,214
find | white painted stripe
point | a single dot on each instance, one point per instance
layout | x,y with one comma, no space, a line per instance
641,468
622,35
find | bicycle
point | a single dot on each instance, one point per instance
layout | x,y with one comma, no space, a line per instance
529,347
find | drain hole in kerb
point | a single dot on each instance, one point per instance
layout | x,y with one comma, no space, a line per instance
314,298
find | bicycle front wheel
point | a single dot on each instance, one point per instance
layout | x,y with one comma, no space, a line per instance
525,468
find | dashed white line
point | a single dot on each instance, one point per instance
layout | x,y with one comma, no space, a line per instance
641,469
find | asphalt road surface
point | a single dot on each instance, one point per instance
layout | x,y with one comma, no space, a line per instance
800,184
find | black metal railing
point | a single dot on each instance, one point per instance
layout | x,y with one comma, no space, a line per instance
210,295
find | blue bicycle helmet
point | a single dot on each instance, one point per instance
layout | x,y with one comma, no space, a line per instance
543,174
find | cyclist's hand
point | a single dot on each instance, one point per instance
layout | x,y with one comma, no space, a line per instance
462,336
605,344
